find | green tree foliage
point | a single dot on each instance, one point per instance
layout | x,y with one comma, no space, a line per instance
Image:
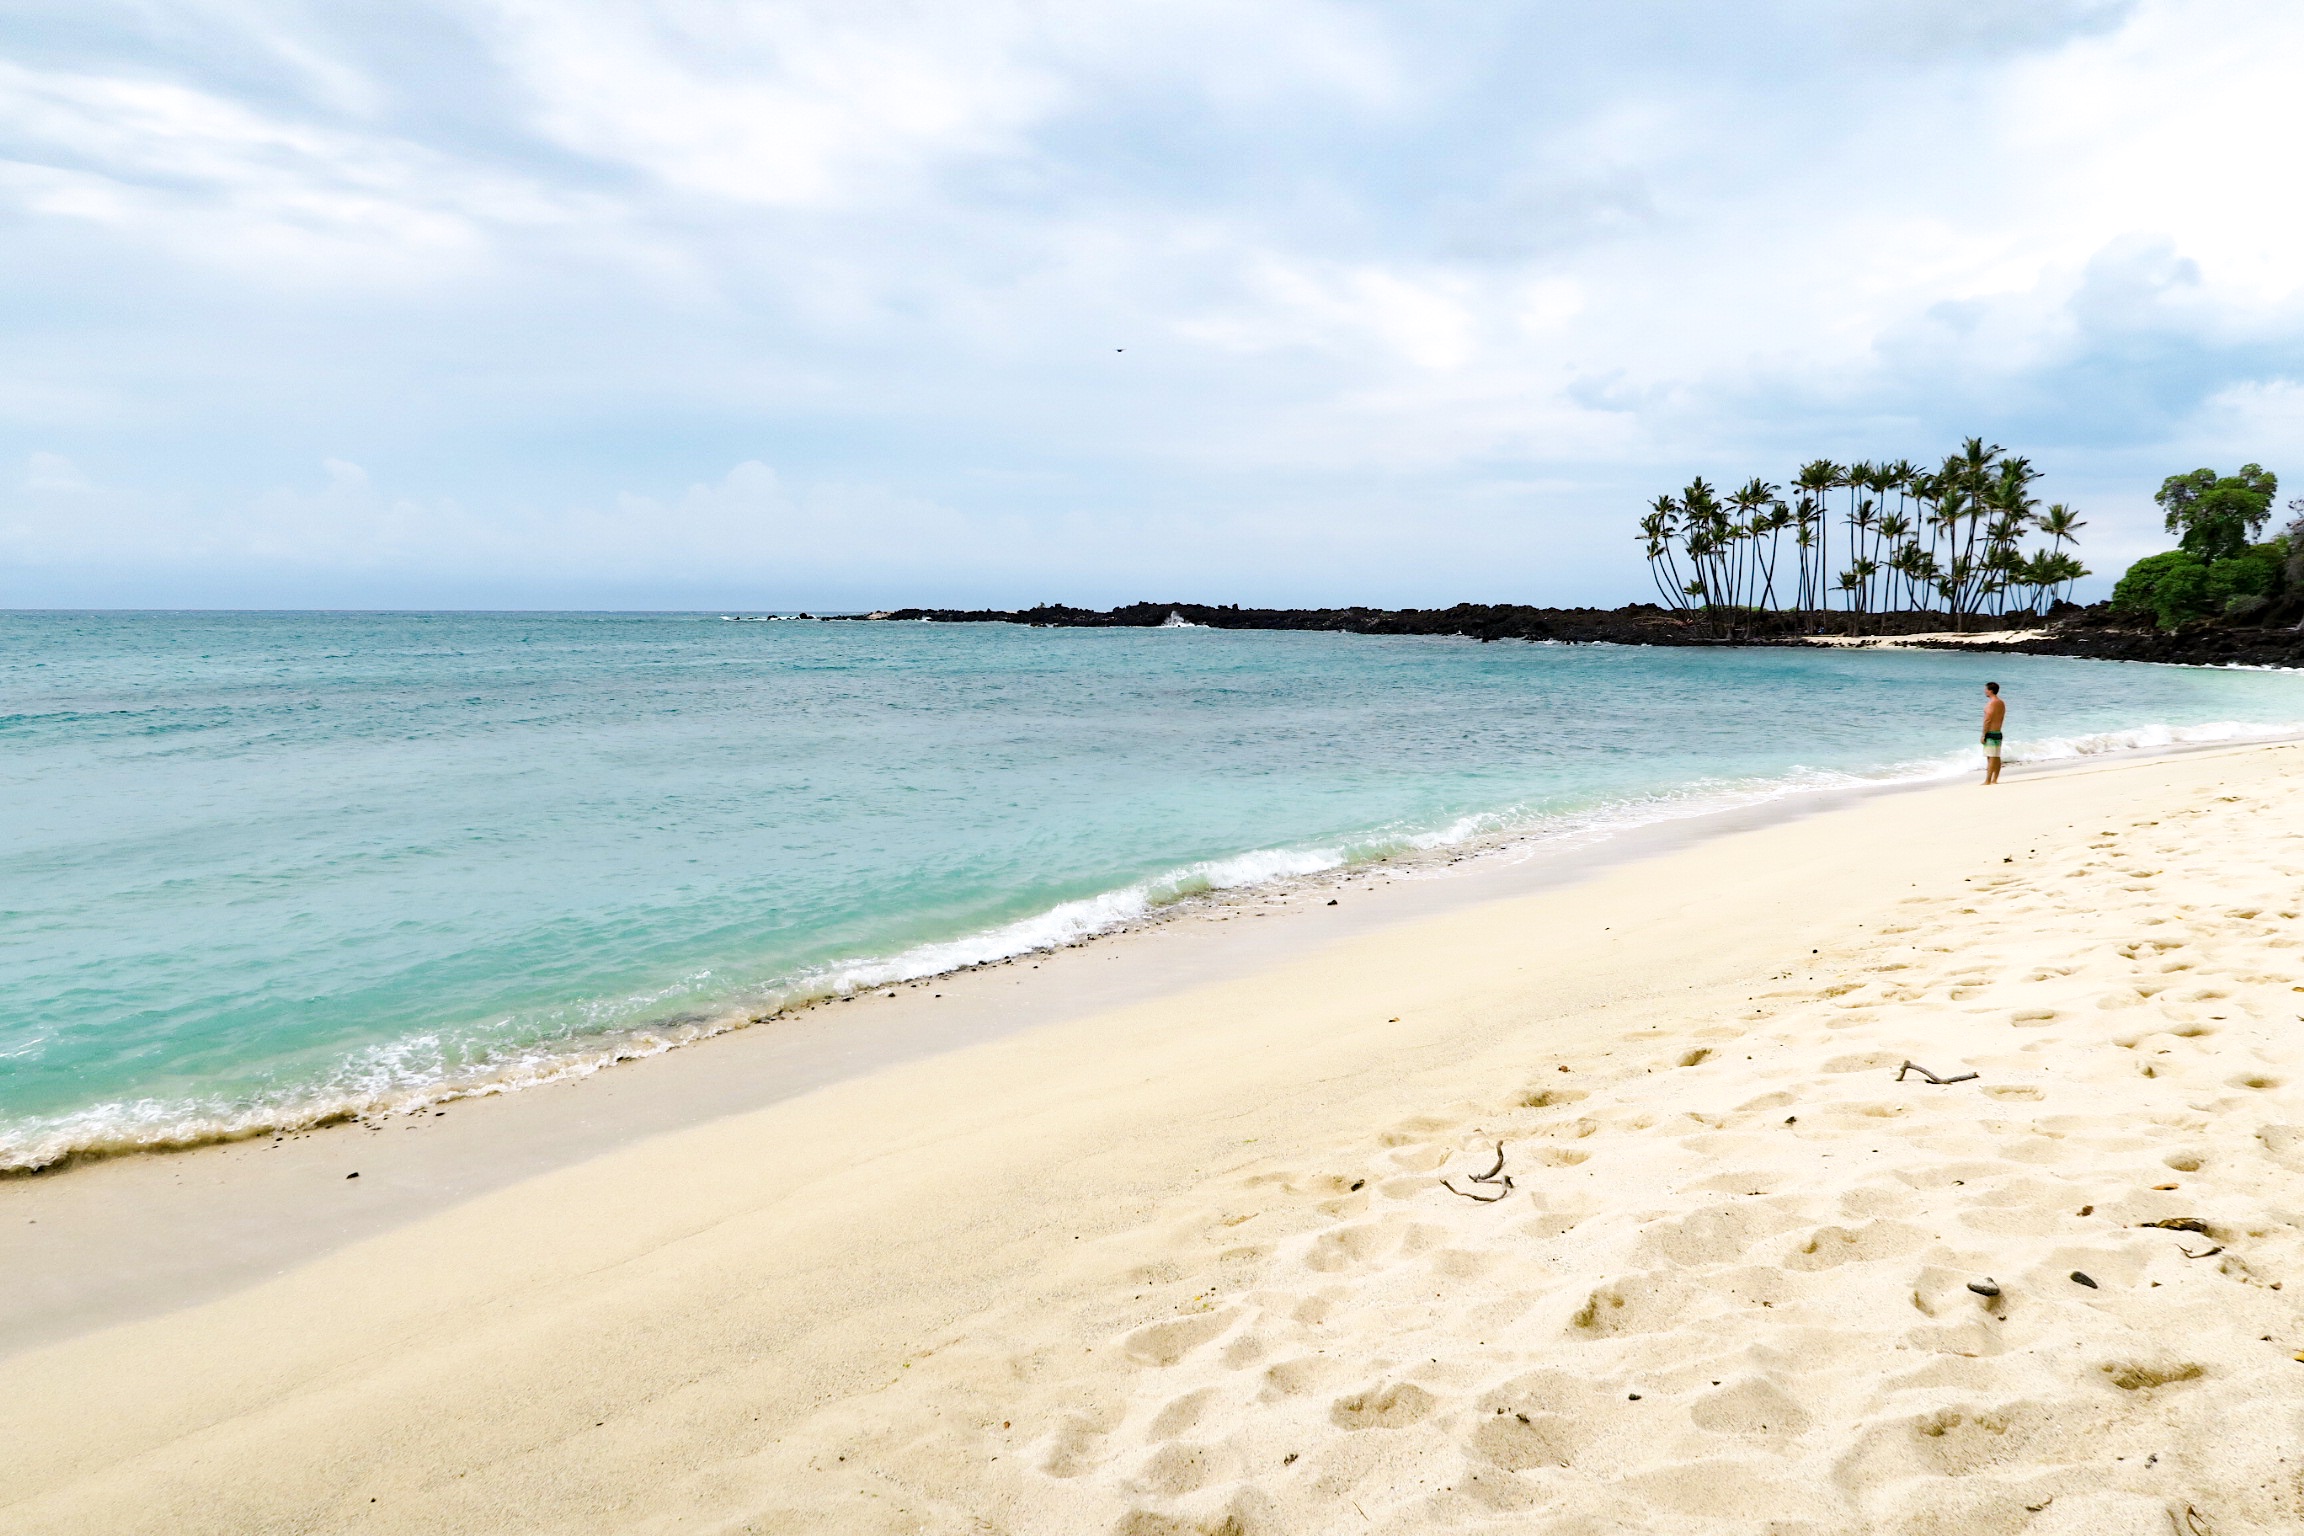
2170,588
2254,573
2216,517
2178,586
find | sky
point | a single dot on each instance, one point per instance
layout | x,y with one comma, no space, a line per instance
777,304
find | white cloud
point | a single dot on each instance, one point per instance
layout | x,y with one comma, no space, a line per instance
788,104
52,473
224,182
1489,278
816,104
1420,318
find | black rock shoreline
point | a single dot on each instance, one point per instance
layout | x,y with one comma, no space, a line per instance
2067,630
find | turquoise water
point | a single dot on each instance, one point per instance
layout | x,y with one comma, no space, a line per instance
259,868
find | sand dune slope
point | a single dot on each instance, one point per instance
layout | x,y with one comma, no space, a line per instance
1729,1288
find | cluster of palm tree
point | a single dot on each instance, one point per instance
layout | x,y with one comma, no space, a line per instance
1946,540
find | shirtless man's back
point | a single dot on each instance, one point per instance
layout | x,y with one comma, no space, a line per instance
1995,717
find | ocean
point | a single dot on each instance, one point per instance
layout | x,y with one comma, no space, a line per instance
257,870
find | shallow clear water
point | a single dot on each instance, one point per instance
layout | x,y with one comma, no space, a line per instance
255,868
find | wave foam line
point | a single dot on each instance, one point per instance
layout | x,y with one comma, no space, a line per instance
154,1125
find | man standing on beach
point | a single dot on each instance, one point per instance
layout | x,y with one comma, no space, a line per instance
1995,716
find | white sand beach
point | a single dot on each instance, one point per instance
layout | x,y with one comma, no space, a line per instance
1926,640
1215,1261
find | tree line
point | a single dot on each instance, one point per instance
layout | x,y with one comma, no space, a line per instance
1843,542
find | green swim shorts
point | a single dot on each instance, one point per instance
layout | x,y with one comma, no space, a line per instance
1992,743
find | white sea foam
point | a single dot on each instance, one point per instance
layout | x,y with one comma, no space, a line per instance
2150,738
417,1072
1072,922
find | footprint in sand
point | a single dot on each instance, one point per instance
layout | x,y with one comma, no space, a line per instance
1390,1407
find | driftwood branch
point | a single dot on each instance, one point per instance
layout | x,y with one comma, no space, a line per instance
1913,1066
1496,1177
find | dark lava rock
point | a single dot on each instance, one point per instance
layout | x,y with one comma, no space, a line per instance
2271,638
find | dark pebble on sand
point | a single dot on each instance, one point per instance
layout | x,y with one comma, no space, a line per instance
1984,1287
351,1175
2081,1279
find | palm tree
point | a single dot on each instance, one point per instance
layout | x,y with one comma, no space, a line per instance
1951,582
1918,568
1855,479
1846,582
2040,572
1954,533
2065,569
1805,517
1928,498
1777,518
1879,479
1656,531
1755,499
1900,477
1865,568
1952,510
1709,542
1895,535
1816,478
2013,511
1971,469
1860,521
2002,568
2062,525
1974,459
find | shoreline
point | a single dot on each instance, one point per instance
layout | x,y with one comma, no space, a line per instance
115,1238
1192,1262
140,1233
1422,856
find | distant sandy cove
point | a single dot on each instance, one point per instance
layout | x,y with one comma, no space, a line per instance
1607,1209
